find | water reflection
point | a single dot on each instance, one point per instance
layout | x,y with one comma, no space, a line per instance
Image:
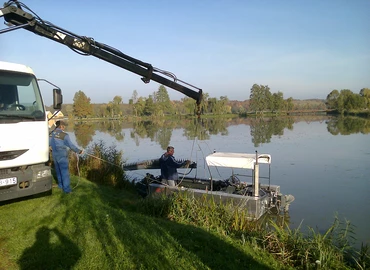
113,128
261,129
203,128
84,133
161,131
348,125
158,131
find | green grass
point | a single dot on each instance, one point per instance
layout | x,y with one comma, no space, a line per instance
104,224
99,227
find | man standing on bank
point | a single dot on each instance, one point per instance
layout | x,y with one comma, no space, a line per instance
169,166
60,143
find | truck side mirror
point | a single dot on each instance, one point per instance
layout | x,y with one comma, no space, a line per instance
57,99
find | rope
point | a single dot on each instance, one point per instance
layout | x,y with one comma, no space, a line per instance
78,171
104,160
78,168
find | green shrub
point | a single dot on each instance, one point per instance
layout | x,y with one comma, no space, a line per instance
101,164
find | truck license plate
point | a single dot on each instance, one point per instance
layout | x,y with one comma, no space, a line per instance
8,181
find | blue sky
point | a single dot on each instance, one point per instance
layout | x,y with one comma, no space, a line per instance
304,49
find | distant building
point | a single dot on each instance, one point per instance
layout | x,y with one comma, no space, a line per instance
58,116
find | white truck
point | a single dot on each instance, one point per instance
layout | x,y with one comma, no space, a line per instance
24,133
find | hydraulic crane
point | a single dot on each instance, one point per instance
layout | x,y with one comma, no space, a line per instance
16,15
23,168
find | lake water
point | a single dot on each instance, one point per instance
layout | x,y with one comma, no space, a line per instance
323,161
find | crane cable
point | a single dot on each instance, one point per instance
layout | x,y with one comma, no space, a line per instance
191,152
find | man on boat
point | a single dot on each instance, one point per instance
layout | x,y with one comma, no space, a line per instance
169,166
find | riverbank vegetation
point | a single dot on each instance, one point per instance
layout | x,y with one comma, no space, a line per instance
106,225
262,129
261,102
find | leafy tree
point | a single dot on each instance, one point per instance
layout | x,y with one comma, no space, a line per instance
189,105
162,95
163,100
178,107
277,101
114,106
133,100
346,100
332,99
150,107
81,105
204,103
134,97
260,98
344,103
101,110
223,105
67,109
212,105
139,106
355,102
289,104
365,93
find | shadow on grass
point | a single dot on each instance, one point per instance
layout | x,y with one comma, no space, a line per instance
132,239
26,198
47,254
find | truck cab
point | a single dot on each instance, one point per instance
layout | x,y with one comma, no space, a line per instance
19,93
24,134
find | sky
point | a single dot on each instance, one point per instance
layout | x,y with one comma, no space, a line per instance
305,49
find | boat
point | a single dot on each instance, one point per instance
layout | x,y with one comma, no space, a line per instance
240,189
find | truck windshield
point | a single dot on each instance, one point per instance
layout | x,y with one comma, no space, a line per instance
20,96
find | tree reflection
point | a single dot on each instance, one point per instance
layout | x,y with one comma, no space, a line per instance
164,135
262,129
348,125
157,131
84,133
161,131
203,128
113,128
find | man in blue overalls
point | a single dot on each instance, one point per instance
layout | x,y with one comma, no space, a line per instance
59,142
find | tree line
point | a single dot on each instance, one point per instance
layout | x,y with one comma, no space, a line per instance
345,100
261,100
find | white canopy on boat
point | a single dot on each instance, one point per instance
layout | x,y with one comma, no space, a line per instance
236,160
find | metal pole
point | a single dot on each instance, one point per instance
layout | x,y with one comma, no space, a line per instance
256,176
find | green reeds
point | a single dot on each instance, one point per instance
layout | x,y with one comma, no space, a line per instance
102,165
362,257
203,211
331,250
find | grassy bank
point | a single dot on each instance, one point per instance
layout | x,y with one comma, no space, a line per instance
99,227
104,224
